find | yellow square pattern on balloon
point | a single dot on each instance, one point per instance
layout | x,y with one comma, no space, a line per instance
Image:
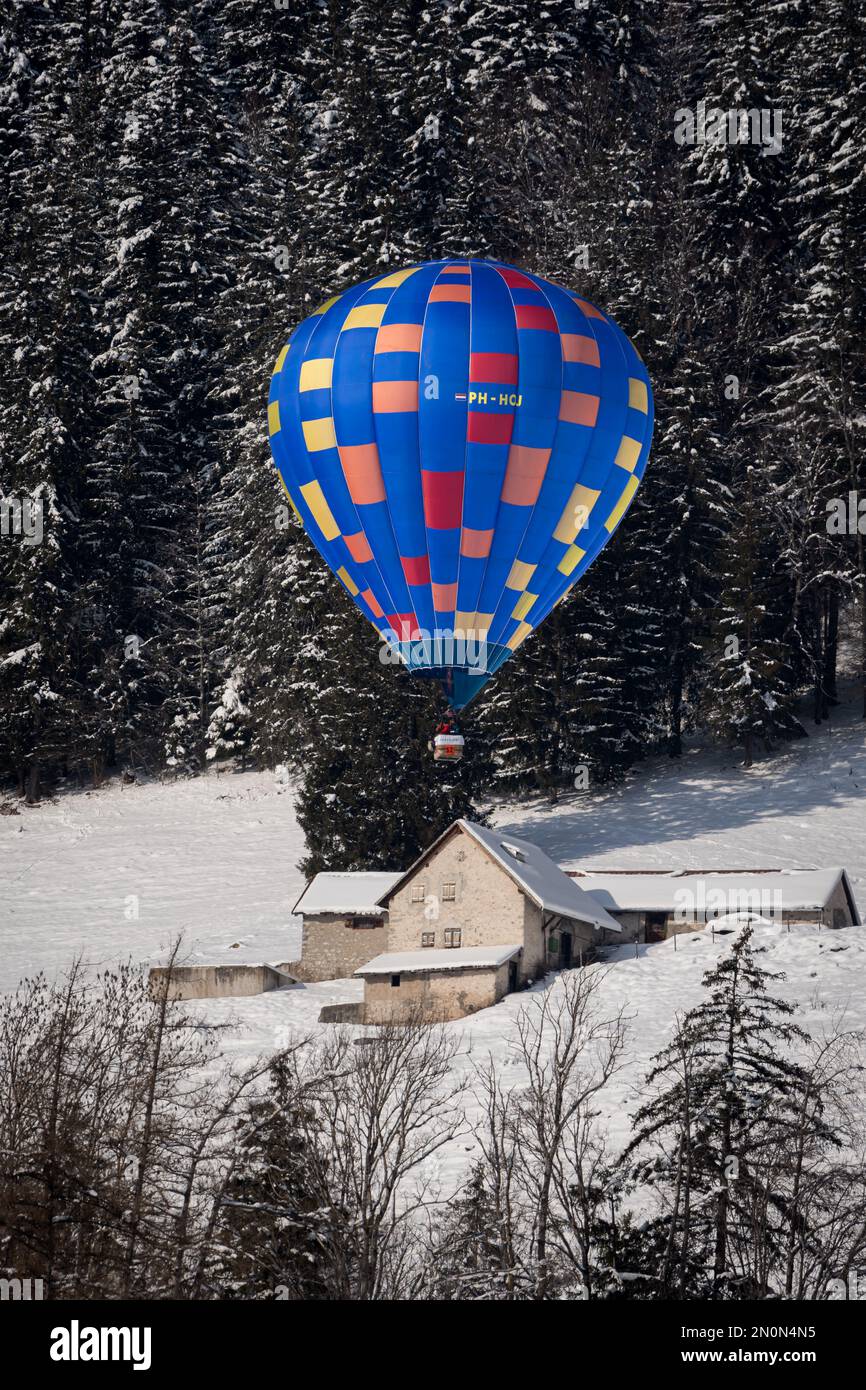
316,374
365,316
319,434
575,513
637,395
274,417
628,493
571,559
396,279
481,624
628,453
343,573
523,605
322,514
520,575
520,636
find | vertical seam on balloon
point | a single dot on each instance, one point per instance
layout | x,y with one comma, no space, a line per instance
385,587
418,435
465,462
503,600
376,435
496,266
544,611
447,260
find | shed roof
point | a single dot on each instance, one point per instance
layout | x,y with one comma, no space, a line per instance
455,958
529,867
654,890
346,892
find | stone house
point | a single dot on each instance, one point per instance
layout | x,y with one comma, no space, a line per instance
477,915
471,888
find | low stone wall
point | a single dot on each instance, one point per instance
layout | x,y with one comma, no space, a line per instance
217,981
342,1013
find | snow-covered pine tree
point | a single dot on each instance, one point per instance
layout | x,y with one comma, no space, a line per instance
273,1234
469,1259
723,1096
132,525
352,169
362,739
575,203
820,414
681,522
168,264
748,693
724,255
52,176
442,204
269,61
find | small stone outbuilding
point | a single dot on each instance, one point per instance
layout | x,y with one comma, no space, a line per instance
437,985
344,925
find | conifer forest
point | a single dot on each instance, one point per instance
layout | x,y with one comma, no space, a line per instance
183,182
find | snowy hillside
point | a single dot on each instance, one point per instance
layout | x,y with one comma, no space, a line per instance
216,859
119,872
805,808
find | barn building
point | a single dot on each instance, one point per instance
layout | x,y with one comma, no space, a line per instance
652,904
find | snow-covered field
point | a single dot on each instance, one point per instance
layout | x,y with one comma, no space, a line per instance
119,873
122,871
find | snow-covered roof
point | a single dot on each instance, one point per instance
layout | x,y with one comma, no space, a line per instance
347,892
542,880
455,958
765,891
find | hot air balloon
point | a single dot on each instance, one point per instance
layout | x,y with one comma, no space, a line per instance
460,439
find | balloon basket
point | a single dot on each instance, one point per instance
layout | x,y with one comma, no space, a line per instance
448,748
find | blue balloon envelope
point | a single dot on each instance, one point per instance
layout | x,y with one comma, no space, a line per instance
460,439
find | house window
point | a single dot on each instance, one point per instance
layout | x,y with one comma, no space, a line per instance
453,936
515,851
449,892
395,981
428,938
364,922
417,892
